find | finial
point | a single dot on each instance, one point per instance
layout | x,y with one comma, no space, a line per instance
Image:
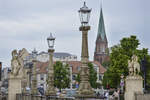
34,49
84,4
51,34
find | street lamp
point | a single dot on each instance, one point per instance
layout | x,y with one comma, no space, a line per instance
84,14
85,89
50,91
51,41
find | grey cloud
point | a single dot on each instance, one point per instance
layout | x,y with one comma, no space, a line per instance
27,23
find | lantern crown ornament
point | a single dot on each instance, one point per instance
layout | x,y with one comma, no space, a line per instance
51,41
84,14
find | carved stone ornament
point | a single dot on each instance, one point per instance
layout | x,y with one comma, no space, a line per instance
134,66
17,62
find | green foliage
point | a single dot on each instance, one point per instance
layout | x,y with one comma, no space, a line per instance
92,76
78,78
148,71
119,56
106,64
61,75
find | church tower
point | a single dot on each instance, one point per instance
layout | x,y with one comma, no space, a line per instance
101,53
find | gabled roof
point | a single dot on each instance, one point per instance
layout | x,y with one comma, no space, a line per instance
42,66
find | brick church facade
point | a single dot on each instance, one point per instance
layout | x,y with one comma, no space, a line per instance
101,53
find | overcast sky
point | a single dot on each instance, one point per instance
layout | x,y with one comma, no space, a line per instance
27,24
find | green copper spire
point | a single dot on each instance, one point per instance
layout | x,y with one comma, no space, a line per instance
101,27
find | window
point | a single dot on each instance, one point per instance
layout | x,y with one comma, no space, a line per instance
100,77
42,76
78,68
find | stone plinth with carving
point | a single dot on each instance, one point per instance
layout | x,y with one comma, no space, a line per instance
133,82
14,87
17,74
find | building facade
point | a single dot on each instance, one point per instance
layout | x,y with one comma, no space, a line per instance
101,53
44,56
58,56
74,66
42,65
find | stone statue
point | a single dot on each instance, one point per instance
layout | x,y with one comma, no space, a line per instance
131,69
17,77
134,66
133,82
15,64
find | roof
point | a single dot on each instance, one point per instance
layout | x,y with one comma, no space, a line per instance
42,66
74,65
57,54
61,54
102,70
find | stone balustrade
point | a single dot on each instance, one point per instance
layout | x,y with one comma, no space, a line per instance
141,96
38,97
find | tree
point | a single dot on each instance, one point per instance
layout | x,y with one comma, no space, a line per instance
92,76
77,78
119,57
61,75
106,64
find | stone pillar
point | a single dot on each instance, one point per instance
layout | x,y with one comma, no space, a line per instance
34,80
71,78
133,84
85,89
50,79
14,87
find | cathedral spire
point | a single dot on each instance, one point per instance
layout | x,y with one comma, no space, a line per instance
101,53
101,27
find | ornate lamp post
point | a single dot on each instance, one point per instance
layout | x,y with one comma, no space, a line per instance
50,79
34,75
85,88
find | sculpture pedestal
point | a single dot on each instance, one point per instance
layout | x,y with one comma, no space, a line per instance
133,84
14,87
